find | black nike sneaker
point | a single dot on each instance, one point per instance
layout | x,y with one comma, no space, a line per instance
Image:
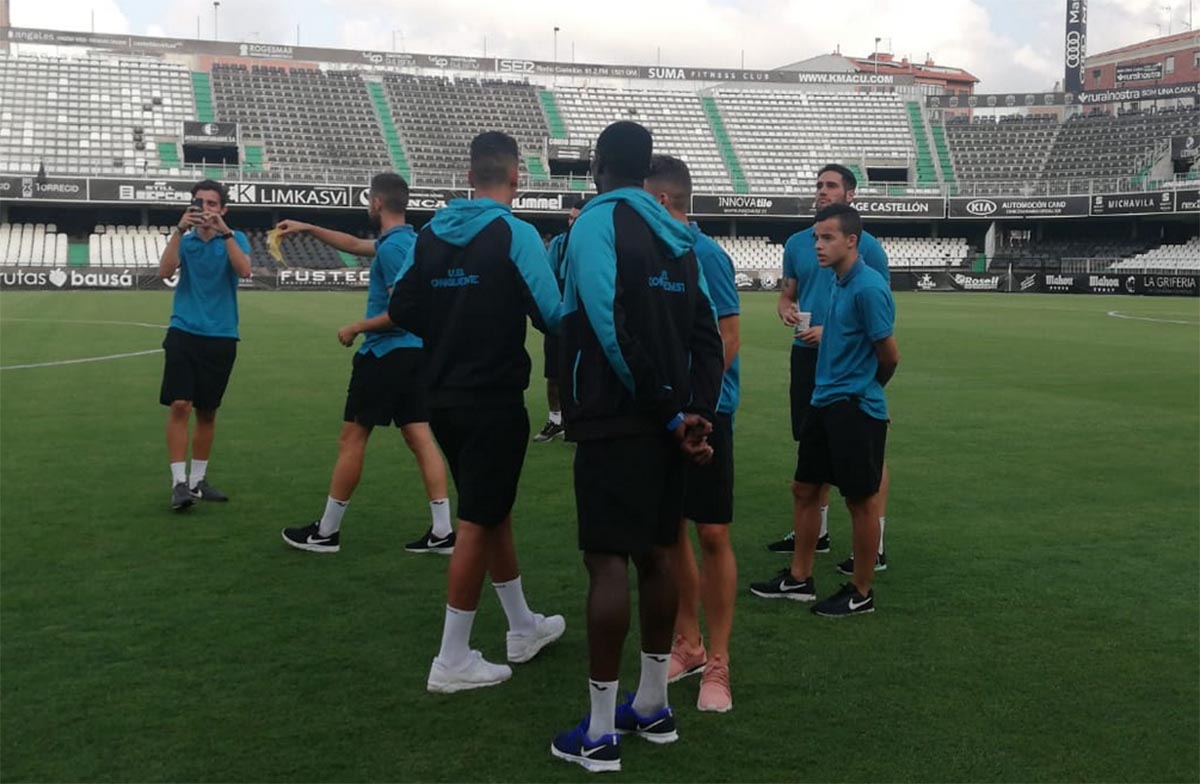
657,728
203,491
846,567
308,537
847,601
784,545
181,497
783,586
823,544
432,544
549,432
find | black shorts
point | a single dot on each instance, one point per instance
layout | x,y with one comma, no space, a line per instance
804,380
550,350
387,389
628,494
708,497
485,449
842,446
196,369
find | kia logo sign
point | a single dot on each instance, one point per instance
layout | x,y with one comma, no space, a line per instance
1074,48
981,207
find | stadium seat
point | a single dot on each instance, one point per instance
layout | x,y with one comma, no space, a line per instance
79,115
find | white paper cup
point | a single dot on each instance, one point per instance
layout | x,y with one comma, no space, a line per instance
805,322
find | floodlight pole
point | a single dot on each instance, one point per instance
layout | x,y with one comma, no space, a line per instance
216,5
875,56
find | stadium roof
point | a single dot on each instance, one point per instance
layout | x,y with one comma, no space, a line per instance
1180,38
886,64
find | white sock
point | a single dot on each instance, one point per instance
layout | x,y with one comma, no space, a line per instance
556,417
882,523
440,509
456,636
604,708
825,520
199,471
178,472
512,598
652,688
331,521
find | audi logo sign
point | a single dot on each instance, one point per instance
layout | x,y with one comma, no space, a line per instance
981,207
1074,47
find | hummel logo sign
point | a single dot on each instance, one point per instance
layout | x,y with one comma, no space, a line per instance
856,606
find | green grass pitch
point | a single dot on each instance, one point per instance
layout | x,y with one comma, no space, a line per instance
1039,622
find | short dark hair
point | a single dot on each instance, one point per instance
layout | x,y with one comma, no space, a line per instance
674,175
212,185
493,156
849,221
393,189
849,181
579,203
624,149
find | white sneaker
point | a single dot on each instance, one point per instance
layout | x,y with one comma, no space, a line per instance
523,646
476,673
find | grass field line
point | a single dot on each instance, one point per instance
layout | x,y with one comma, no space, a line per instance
1120,315
85,321
82,360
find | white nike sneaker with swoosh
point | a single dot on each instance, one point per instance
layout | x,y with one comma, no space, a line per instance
524,646
476,673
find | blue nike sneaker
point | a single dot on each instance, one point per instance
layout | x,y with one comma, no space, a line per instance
599,756
659,728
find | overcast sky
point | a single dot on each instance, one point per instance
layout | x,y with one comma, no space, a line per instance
1008,44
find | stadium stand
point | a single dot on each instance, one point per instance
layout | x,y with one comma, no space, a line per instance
1165,258
277,106
1105,146
89,115
33,245
437,118
1011,148
127,246
782,137
676,119
299,250
1049,254
752,253
925,252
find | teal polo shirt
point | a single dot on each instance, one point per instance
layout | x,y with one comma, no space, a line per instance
813,283
861,313
717,269
206,294
391,250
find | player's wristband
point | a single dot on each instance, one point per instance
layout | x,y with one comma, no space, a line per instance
675,422
227,235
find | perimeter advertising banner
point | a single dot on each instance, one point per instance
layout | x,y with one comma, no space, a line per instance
1019,207
28,187
1148,203
735,204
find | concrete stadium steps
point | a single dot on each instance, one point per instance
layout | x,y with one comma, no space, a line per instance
252,158
926,174
390,135
202,94
736,176
554,120
168,155
943,154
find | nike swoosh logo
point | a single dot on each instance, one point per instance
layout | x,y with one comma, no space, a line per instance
858,605
651,725
599,688
316,540
785,587
590,752
438,542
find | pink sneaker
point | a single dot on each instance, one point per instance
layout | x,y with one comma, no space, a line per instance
685,660
714,687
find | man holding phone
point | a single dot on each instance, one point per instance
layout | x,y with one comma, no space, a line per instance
201,342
